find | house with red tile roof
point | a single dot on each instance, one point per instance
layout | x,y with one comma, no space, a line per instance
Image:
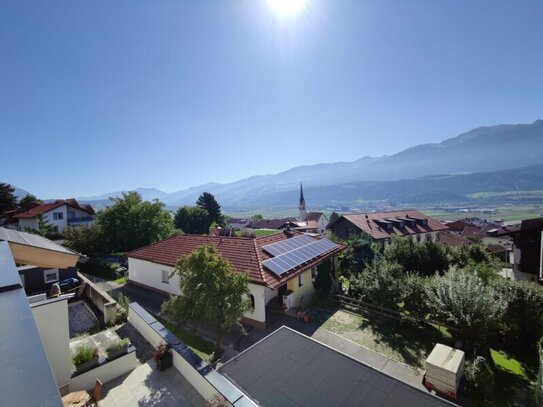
60,213
381,226
281,267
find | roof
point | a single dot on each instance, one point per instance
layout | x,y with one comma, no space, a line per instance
446,358
448,238
30,239
287,368
271,223
22,352
243,253
46,207
307,225
457,225
470,231
314,216
373,223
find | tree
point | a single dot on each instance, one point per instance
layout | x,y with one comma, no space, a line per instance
462,300
333,217
131,223
475,252
359,254
257,217
414,297
213,292
425,258
208,202
8,200
85,239
523,321
44,228
192,219
380,283
323,281
480,379
28,201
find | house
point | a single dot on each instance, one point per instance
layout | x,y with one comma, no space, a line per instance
288,368
448,238
238,223
381,226
43,261
281,267
527,251
60,214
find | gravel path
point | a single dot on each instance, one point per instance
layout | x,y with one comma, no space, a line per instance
81,319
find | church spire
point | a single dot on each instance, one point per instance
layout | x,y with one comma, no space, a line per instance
302,216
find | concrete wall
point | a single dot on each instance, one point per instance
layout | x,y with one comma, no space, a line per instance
101,299
259,312
304,292
106,372
150,274
28,223
52,322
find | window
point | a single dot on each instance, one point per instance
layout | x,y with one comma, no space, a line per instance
165,276
58,215
71,214
428,237
418,238
300,280
50,276
252,298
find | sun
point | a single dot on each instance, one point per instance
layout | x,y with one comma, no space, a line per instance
287,8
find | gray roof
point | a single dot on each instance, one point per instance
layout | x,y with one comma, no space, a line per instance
27,378
29,239
288,368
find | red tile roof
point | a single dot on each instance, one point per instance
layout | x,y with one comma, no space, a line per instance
314,216
270,223
369,223
448,238
46,207
245,254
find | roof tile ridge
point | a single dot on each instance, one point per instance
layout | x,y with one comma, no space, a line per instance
154,243
259,260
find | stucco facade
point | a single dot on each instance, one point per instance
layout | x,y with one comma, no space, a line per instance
59,217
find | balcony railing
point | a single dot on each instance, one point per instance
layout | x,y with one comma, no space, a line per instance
80,219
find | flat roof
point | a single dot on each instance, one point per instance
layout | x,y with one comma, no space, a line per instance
29,239
27,378
287,368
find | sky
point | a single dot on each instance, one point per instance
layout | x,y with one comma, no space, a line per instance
100,96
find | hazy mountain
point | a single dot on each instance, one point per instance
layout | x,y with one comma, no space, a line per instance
147,194
485,149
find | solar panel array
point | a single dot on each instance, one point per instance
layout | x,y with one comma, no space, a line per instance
275,249
290,259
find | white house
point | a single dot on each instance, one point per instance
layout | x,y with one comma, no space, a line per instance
60,213
281,267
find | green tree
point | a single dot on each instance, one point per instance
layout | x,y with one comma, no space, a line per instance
85,239
192,219
213,292
359,254
8,200
44,228
131,223
462,300
28,200
480,379
208,202
333,217
414,296
323,281
380,283
475,252
523,320
257,217
425,258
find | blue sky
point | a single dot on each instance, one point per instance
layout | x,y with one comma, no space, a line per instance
98,96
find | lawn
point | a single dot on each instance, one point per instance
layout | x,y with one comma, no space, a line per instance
265,232
200,346
505,362
404,341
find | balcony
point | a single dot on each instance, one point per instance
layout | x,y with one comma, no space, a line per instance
81,220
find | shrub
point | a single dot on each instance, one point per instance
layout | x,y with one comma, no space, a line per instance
100,268
358,255
118,345
414,295
84,354
323,281
380,283
480,379
426,258
463,300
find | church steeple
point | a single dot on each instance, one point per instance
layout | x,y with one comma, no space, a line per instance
302,216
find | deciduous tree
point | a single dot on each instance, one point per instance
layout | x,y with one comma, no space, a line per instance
380,283
192,219
213,292
85,239
359,254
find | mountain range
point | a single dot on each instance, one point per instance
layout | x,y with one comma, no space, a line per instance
471,162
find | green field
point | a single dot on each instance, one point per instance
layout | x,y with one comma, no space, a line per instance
514,195
508,213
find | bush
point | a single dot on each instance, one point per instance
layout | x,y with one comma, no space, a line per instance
323,281
86,239
426,258
100,268
84,354
463,300
380,283
475,252
118,345
358,255
480,380
414,297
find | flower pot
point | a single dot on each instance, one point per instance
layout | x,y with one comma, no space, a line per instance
306,318
165,361
87,365
116,353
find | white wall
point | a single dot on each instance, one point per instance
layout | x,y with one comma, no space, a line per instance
150,274
28,223
52,322
59,223
105,373
259,312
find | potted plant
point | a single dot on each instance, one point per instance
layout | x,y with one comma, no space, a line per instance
163,356
117,348
85,358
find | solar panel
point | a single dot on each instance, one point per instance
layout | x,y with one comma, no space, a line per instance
275,249
289,260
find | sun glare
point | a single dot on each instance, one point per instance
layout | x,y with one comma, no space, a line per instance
287,8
